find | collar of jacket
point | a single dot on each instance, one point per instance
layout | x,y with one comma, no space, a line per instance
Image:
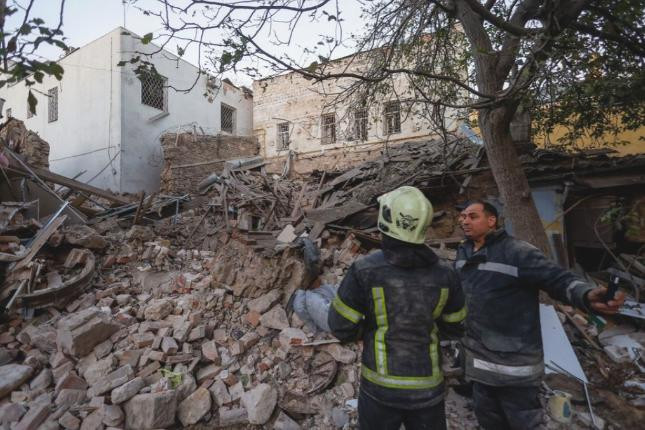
403,254
490,238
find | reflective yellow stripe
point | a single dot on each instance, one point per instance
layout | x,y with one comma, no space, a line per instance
434,353
443,298
455,316
347,312
402,382
380,351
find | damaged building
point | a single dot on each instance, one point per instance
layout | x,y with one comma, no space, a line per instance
123,114
174,307
302,120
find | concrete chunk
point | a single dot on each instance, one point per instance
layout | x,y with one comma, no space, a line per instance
158,309
262,303
151,411
34,417
80,332
194,407
112,380
232,417
276,318
259,403
12,376
127,390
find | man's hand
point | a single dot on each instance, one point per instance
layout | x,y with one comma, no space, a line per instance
596,299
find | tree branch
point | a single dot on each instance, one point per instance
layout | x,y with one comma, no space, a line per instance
498,22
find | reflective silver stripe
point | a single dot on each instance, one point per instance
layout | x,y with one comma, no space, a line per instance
507,370
499,267
460,263
570,287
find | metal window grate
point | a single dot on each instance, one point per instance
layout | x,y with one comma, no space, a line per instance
392,117
227,117
52,105
153,90
328,128
360,124
283,135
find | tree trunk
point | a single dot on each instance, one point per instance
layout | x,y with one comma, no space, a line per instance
511,180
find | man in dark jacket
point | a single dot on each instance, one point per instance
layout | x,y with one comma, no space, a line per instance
395,301
501,277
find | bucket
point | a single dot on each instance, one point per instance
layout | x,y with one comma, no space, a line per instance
560,407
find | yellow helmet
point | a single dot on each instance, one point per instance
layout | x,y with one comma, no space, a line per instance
405,214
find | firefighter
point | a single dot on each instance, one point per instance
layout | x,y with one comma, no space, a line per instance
501,277
395,301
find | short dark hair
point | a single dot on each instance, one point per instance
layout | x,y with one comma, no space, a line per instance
489,208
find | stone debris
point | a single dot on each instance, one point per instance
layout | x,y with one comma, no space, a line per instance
276,318
259,403
151,411
194,407
187,323
80,332
12,376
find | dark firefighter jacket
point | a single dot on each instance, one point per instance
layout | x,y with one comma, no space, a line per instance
395,300
503,342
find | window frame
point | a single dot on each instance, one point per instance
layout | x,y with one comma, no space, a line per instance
392,114
145,81
52,105
223,107
282,137
325,137
361,124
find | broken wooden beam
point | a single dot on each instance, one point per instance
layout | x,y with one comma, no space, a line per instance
46,175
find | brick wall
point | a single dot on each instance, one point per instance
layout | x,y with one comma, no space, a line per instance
189,158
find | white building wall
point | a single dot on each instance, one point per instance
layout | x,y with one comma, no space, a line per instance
87,134
143,125
102,125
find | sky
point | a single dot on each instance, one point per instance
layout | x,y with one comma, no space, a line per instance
87,20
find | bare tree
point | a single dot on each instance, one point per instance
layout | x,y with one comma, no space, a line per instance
488,55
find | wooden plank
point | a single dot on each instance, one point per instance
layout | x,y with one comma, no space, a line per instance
316,230
330,215
41,239
46,175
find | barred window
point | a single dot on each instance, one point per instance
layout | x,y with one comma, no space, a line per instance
283,135
392,117
328,128
360,124
52,105
153,91
227,117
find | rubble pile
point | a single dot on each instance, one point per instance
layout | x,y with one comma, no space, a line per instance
173,311
26,143
162,342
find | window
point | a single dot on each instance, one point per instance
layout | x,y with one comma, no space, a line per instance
227,118
283,135
8,113
360,124
328,128
392,117
153,91
52,105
